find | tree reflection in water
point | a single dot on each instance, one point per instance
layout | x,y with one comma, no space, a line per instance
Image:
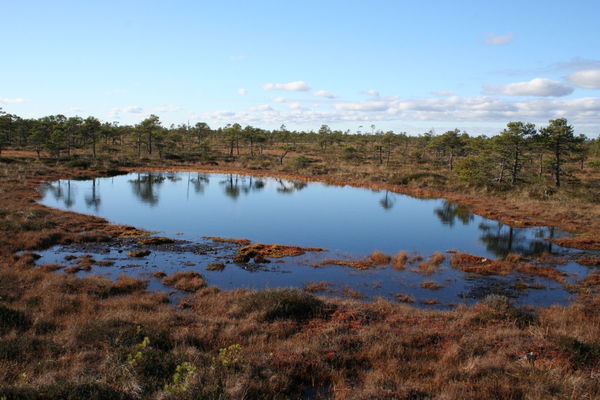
449,213
93,199
287,187
145,187
234,185
198,182
387,202
503,239
499,238
66,195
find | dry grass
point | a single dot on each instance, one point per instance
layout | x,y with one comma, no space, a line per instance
241,242
357,264
63,337
379,258
155,240
355,294
139,253
125,284
436,258
215,267
260,251
587,241
399,260
590,261
313,287
431,285
188,281
404,298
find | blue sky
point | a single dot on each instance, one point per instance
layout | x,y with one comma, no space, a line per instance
401,65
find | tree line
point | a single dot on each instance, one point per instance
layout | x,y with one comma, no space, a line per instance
518,151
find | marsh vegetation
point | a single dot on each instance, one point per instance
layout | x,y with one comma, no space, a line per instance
179,330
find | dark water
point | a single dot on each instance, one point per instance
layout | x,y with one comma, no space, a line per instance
347,221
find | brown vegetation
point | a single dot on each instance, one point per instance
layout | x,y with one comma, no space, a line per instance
404,298
379,258
586,241
313,287
215,267
188,281
64,337
139,253
484,266
246,253
241,242
399,260
431,285
362,264
155,240
590,261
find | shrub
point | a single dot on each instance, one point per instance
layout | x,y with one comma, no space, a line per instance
496,308
184,372
580,354
83,164
299,162
114,332
350,153
283,304
12,319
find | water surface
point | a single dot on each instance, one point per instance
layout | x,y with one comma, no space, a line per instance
347,221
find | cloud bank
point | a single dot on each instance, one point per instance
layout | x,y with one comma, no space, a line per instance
536,87
587,79
295,86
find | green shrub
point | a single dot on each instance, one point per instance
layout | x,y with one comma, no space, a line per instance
350,153
83,164
299,162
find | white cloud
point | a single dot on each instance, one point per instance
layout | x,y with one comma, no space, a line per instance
295,106
453,110
296,86
223,114
133,109
363,106
115,112
443,93
75,109
5,100
279,100
242,91
324,93
498,40
371,92
262,107
588,79
535,87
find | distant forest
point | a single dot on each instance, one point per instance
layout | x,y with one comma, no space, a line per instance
522,153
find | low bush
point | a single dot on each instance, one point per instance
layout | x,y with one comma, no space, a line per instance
497,308
12,319
275,304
